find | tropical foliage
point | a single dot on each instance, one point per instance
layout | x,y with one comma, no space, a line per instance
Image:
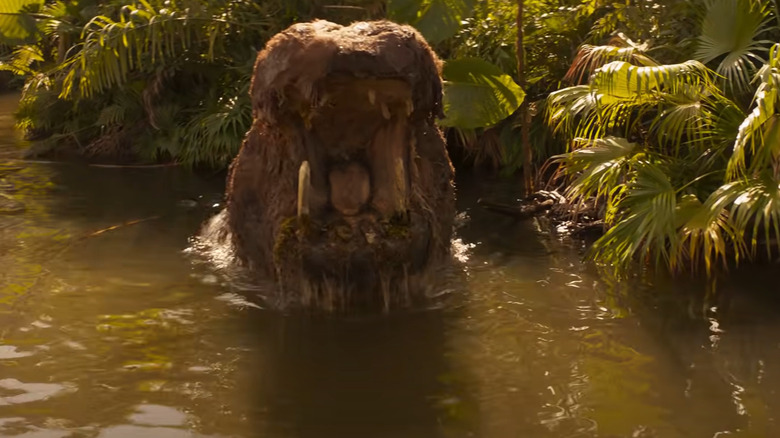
169,80
145,79
686,172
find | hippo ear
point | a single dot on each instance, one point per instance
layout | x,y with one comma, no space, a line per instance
438,106
296,58
435,85
271,73
431,67
265,99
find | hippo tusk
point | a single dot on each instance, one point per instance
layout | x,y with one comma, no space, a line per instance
399,182
372,96
385,111
409,107
304,188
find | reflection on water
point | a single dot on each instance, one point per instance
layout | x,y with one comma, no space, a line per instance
123,333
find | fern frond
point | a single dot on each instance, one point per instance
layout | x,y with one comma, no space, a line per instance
21,60
142,39
111,115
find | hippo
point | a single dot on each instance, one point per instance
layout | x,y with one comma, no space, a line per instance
343,190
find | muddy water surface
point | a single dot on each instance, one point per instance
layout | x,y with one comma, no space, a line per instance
122,333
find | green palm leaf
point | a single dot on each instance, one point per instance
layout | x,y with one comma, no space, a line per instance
437,20
620,94
647,223
566,106
17,26
215,133
761,126
144,39
620,80
732,29
599,167
705,235
590,57
21,61
690,121
755,209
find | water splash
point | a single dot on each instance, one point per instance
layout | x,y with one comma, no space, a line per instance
213,243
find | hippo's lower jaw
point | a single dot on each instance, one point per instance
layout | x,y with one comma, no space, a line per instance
355,259
355,249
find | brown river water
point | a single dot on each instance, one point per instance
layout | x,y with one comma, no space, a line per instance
126,333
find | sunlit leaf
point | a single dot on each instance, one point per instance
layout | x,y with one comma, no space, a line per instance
478,94
598,167
590,57
437,20
732,29
620,79
647,227
17,26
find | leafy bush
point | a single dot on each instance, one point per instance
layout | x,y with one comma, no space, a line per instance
158,79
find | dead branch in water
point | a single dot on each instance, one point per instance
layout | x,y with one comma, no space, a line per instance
105,166
83,237
134,166
122,225
521,211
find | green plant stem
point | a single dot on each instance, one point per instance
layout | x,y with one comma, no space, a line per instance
525,115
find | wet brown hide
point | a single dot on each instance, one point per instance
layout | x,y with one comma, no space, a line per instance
358,105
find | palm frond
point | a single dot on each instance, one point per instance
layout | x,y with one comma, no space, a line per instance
706,235
646,228
690,124
760,127
590,57
111,115
22,59
598,167
567,105
142,39
214,135
732,29
17,25
755,209
620,80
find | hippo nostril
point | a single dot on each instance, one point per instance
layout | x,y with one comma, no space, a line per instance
350,188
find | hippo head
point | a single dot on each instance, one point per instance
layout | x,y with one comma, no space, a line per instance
343,189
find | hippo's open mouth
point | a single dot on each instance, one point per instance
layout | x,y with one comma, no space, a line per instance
354,186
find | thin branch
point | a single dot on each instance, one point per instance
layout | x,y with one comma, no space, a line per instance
135,166
122,225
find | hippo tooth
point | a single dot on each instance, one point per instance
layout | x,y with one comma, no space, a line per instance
304,179
385,111
409,107
323,100
372,96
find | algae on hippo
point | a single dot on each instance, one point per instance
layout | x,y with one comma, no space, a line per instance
343,189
